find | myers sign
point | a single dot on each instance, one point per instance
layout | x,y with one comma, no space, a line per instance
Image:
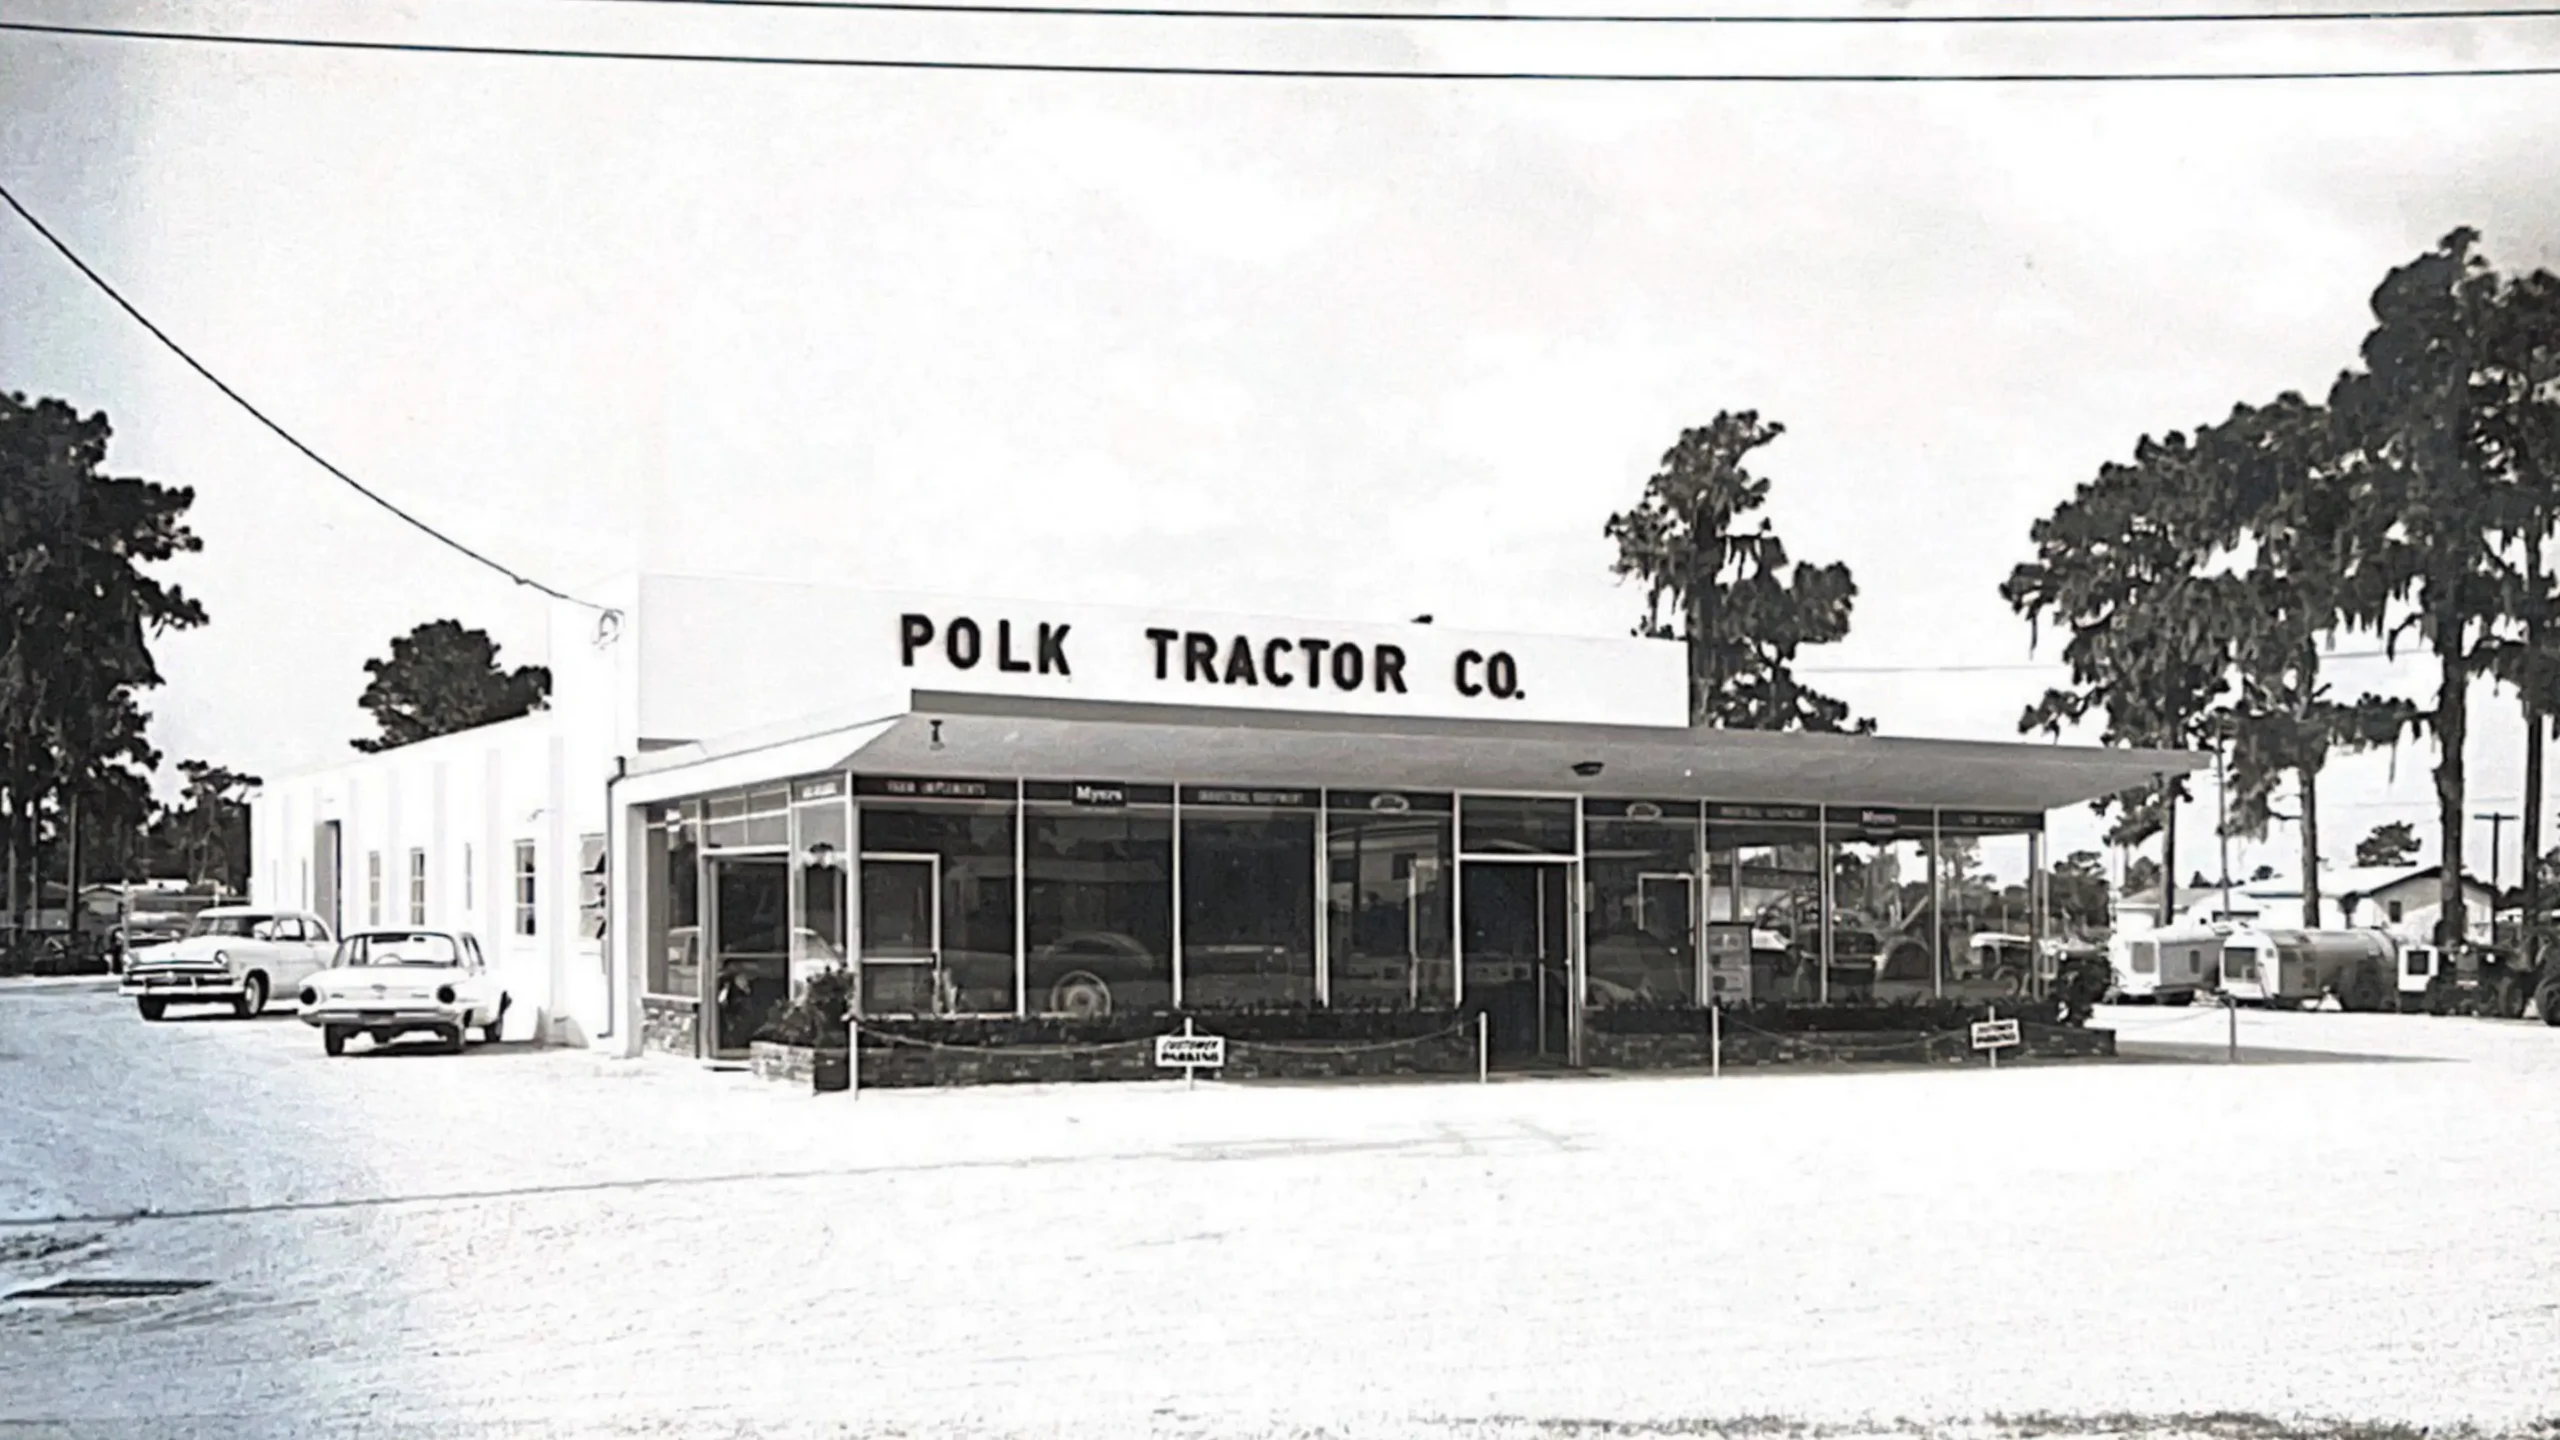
726,654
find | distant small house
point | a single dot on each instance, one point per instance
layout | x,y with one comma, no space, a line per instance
2399,899
2406,900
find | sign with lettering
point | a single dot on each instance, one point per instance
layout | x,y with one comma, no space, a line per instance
1872,822
725,655
1240,795
1995,1034
901,787
1391,802
1671,810
1095,794
1191,1052
1990,822
1731,814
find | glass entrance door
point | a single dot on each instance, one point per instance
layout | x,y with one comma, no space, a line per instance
1517,947
901,936
750,948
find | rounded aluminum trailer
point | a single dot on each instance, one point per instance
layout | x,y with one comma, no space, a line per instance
2171,965
2293,968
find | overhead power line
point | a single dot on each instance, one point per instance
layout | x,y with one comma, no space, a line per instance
287,436
1251,72
1495,17
2014,667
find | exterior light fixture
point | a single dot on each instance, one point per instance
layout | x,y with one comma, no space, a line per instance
1586,768
935,735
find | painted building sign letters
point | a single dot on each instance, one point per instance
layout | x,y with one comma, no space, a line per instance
1204,658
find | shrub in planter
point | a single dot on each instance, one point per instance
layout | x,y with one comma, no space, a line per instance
1798,1018
815,1019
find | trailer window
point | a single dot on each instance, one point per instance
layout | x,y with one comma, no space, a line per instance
2418,962
2145,958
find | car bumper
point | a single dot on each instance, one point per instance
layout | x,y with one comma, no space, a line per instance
406,1014
182,986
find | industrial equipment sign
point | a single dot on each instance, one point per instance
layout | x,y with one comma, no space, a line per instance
1995,1034
1190,1052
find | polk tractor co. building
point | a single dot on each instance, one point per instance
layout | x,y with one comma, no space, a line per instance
1006,808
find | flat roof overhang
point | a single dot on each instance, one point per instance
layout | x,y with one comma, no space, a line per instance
1000,737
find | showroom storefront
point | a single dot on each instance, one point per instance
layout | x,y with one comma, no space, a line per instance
963,859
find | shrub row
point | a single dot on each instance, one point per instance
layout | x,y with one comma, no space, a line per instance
1778,1017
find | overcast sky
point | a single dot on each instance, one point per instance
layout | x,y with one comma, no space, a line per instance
1341,349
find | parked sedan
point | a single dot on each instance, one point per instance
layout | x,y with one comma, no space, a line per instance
390,983
234,955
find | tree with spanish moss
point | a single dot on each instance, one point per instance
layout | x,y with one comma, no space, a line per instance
2440,514
1727,587
2147,638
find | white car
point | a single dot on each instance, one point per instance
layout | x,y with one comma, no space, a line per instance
236,955
394,982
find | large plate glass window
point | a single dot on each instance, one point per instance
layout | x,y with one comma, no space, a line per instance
1388,859
674,878
1248,897
1884,912
821,877
1764,902
1097,897
1640,861
937,896
1993,941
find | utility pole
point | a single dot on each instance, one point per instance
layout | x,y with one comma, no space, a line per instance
2497,830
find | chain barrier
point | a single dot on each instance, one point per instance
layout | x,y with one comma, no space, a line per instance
1101,1048
1349,1048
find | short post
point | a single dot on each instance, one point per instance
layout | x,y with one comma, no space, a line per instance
1484,1067
1990,1013
1715,1040
2232,1008
1190,1073
852,1054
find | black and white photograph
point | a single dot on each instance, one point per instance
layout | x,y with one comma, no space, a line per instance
1279,719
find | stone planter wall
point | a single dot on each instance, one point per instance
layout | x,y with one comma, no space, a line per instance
893,1066
793,1064
896,1067
668,1027
1602,1051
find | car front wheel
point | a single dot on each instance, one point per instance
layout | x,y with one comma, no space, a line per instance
253,998
152,1009
333,1039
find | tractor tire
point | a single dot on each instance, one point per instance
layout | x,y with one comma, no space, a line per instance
2547,1002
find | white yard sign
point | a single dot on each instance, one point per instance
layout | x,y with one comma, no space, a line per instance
1995,1036
1191,1052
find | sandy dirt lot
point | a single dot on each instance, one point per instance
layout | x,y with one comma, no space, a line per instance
2360,1222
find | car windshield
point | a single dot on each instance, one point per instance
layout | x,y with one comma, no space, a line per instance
226,924
400,949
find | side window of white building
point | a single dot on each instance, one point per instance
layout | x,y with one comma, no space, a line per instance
470,883
526,877
417,887
373,887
